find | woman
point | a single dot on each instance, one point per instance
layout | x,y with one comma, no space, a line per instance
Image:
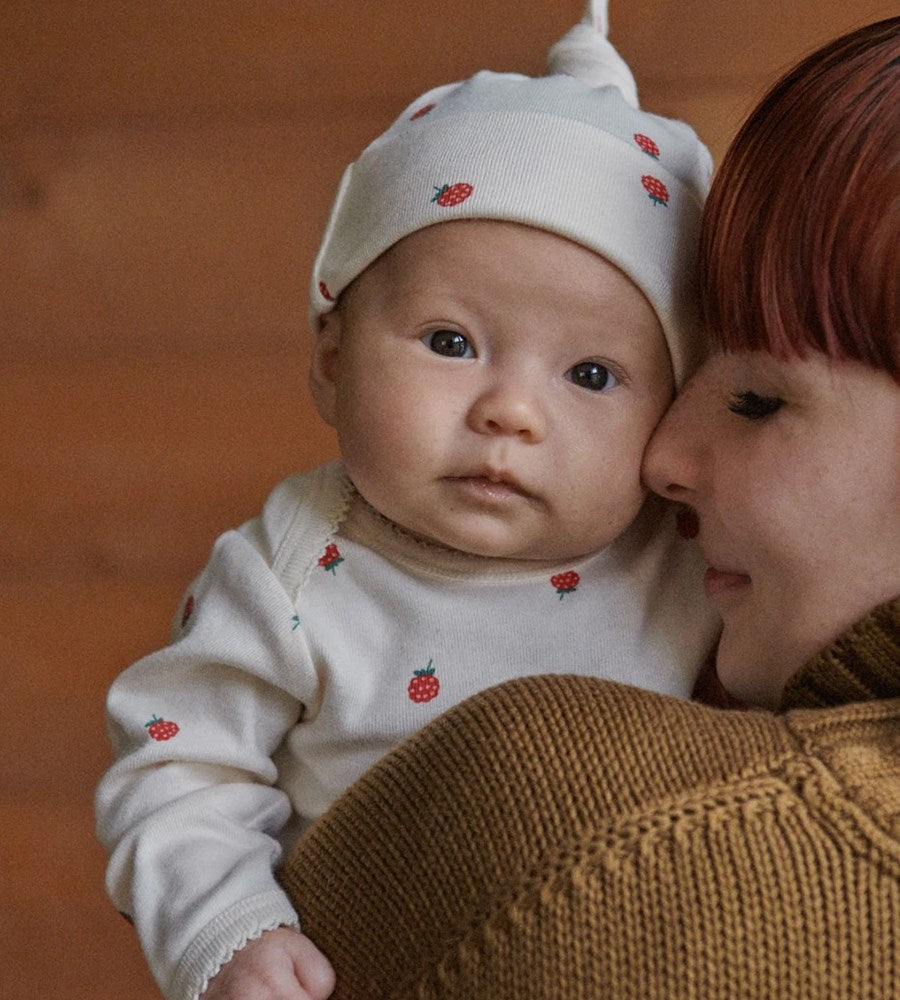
565,837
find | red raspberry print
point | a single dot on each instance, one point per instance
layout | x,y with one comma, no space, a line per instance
565,583
647,144
424,686
656,189
161,729
422,111
331,558
452,194
323,288
188,611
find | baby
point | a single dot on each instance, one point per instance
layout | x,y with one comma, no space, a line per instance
503,309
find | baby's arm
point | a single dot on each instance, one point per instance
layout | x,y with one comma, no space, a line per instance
190,811
280,965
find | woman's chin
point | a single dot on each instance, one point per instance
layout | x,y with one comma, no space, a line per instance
746,677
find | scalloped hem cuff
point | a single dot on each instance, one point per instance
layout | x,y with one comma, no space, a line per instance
226,934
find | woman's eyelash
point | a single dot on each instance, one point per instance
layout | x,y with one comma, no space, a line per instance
753,406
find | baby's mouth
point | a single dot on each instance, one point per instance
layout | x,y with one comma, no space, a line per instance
492,483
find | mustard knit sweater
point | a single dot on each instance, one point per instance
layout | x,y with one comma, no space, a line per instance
563,837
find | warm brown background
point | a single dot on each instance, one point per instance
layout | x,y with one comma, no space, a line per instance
165,169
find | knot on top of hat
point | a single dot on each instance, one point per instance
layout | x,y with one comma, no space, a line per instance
586,54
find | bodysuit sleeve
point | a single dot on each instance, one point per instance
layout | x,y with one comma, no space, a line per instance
189,810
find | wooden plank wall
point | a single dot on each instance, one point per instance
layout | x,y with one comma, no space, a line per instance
165,170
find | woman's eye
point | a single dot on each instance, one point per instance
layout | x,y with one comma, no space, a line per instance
449,344
752,406
592,375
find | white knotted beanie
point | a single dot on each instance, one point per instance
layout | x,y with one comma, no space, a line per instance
570,153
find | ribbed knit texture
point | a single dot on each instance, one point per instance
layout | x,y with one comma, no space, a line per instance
568,838
860,666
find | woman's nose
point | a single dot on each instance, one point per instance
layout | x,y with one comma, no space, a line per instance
509,409
671,458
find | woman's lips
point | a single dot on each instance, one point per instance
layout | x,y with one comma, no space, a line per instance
721,583
717,583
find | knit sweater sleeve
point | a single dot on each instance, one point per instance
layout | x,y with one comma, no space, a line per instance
190,810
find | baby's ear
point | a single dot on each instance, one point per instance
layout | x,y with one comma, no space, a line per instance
325,365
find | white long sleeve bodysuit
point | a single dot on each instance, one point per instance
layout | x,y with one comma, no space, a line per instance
317,638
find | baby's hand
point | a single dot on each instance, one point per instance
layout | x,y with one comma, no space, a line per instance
279,965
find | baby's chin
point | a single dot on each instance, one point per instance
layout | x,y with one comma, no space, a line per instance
497,534
502,547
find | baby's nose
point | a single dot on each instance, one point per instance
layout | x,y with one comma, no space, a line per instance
509,410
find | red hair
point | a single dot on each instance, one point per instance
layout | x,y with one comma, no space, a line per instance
799,246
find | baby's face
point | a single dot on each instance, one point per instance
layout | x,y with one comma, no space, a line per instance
493,387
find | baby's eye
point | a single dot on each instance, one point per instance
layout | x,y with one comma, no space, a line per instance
752,406
592,375
449,344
